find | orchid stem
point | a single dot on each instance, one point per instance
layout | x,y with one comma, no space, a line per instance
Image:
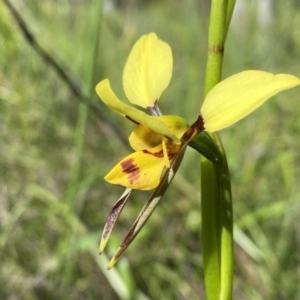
217,221
216,40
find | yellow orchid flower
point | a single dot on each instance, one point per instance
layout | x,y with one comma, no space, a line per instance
160,141
156,139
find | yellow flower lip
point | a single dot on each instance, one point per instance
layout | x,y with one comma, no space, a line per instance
140,170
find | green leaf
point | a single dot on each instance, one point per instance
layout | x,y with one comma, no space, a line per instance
206,146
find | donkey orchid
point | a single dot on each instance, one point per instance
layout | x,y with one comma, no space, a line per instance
160,141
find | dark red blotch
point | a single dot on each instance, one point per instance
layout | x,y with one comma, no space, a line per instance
131,169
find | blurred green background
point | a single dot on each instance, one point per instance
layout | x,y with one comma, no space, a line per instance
54,153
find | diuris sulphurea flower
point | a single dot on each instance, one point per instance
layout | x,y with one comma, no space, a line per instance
159,141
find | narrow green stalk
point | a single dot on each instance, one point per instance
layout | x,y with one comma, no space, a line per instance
217,222
83,108
225,224
216,40
83,112
210,232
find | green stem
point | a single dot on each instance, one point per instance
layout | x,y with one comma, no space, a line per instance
216,39
217,221
210,232
225,223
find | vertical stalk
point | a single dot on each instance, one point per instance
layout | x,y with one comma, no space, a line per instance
217,222
83,108
216,39
83,112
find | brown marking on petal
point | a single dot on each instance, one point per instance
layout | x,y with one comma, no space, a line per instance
171,147
159,154
128,166
196,128
131,169
135,122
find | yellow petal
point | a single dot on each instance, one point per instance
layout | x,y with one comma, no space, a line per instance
141,170
170,149
176,124
106,94
148,70
239,95
143,137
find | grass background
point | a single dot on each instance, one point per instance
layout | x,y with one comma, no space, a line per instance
54,153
